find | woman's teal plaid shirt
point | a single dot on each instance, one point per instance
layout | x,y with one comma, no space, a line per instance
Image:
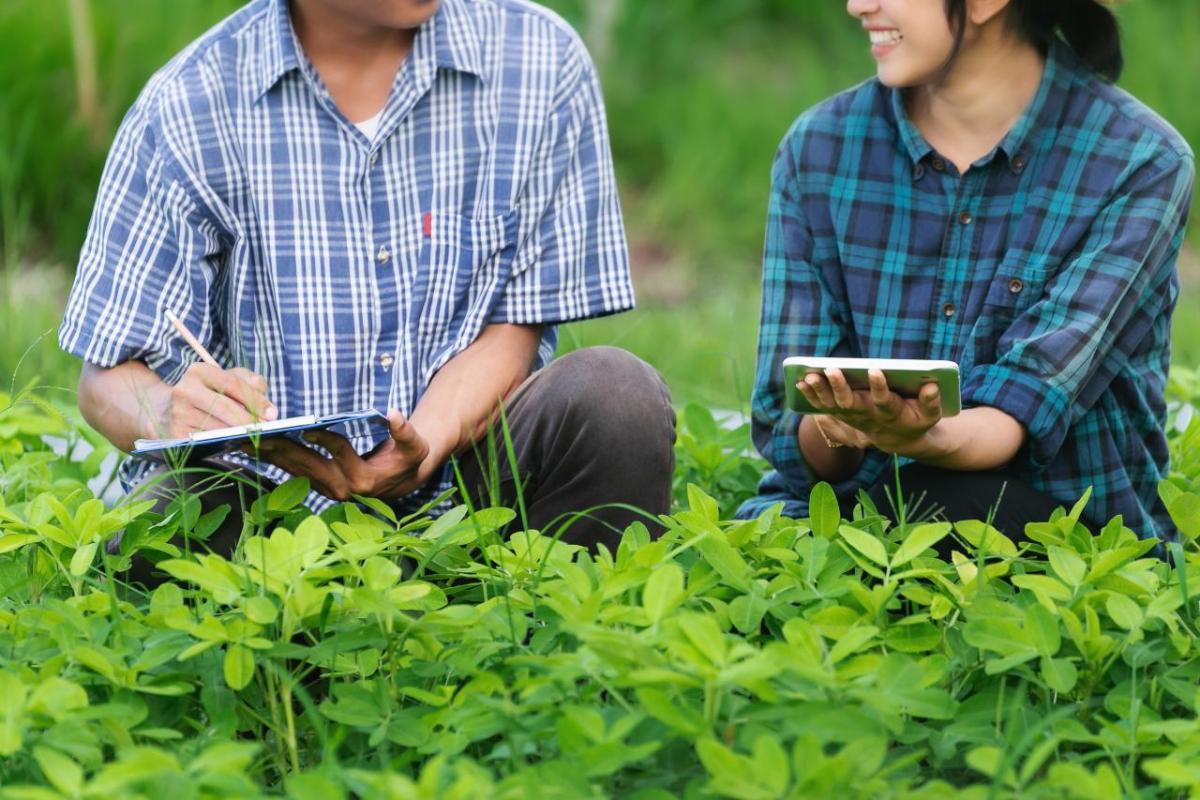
1047,271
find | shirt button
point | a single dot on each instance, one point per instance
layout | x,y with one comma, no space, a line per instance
949,309
966,218
1018,163
938,165
383,255
1016,285
386,360
374,159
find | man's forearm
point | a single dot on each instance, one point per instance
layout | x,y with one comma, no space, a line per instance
122,402
465,393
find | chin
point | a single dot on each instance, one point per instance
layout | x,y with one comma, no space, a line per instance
898,77
406,13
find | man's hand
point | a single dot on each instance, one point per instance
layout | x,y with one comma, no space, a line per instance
396,468
209,397
877,416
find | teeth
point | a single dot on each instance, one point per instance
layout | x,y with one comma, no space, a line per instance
884,37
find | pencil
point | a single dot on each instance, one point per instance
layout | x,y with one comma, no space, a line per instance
205,356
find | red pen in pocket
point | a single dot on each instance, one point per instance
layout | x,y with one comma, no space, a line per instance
427,221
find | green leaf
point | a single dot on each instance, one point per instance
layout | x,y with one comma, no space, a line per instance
662,592
56,697
82,560
1124,611
61,771
699,421
732,775
852,641
13,541
1185,512
260,609
746,612
287,495
705,635
238,666
1042,628
985,538
865,543
12,712
1059,674
700,503
683,720
825,515
311,539
1067,565
920,539
771,764
727,561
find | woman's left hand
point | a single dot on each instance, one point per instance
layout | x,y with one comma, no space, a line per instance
892,423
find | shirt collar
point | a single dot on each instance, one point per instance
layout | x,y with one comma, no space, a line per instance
1056,76
451,31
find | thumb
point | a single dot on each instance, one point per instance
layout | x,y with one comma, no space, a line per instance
403,433
931,400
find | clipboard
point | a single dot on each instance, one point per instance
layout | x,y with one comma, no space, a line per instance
200,444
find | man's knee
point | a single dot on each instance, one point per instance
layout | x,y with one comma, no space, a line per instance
610,390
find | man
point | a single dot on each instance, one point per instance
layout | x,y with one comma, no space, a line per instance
365,203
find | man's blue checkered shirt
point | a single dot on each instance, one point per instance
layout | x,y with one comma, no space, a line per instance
1047,271
347,271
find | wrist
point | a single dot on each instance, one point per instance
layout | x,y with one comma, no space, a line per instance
154,419
935,445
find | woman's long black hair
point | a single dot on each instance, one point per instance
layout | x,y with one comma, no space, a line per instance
1088,27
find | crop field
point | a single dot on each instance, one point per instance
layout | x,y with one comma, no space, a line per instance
354,654
357,654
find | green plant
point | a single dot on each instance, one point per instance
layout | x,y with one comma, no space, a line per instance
357,653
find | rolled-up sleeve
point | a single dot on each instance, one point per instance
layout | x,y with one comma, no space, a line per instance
149,249
571,260
1059,355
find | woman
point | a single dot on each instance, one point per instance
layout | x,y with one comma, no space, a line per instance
989,198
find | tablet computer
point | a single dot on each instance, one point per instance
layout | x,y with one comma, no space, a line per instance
905,377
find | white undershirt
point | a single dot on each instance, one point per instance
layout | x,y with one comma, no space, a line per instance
370,127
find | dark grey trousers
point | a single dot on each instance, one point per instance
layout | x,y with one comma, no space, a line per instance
593,432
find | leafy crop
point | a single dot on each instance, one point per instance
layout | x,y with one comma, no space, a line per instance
357,654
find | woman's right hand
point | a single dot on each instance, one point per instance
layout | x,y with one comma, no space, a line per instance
209,397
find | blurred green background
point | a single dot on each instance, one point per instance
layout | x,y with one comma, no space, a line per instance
698,92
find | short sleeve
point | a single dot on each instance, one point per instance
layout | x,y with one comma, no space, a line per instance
1060,355
571,261
149,249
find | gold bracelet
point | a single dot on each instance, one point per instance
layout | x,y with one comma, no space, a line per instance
830,443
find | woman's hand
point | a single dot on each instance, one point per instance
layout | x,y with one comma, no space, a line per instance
875,417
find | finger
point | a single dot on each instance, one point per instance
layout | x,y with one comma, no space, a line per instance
930,398
820,388
843,395
230,384
846,433
297,459
809,394
198,408
881,395
338,446
257,400
407,438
